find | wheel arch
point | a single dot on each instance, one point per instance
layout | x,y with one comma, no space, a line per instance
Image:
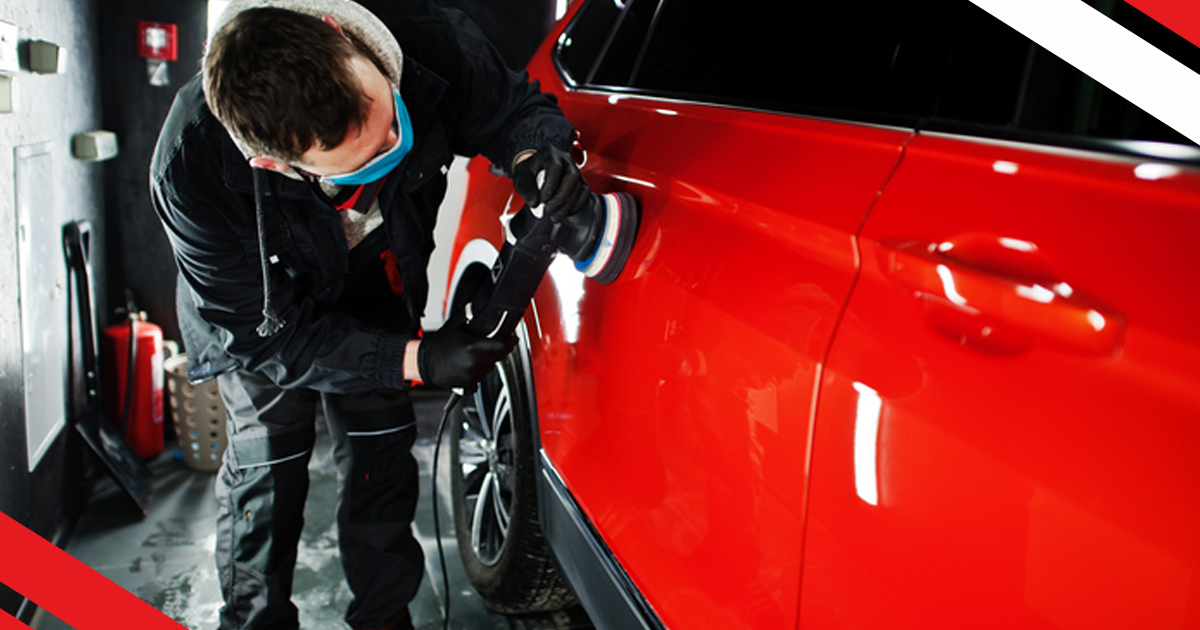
479,251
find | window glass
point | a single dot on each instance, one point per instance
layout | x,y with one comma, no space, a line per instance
581,43
623,50
1000,78
873,57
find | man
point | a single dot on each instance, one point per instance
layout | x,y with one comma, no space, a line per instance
298,179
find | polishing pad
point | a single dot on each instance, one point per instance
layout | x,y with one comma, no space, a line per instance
620,224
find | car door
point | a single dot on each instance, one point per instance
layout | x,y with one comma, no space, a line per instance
1009,421
676,403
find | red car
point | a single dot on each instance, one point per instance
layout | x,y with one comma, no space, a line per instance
907,338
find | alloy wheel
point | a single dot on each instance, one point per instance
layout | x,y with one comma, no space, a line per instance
486,464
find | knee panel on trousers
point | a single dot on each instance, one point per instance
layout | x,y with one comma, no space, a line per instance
381,480
263,491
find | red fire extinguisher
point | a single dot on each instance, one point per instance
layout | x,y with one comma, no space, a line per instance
134,378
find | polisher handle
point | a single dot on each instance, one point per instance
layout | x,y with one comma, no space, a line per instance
499,306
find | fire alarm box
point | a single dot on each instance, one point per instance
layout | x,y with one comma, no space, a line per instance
157,40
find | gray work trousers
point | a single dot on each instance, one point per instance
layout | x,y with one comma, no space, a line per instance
263,485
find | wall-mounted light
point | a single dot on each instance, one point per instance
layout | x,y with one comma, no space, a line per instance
94,146
46,57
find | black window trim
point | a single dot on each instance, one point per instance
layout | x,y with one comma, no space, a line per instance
1142,149
1122,151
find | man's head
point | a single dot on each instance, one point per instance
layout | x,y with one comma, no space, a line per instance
297,89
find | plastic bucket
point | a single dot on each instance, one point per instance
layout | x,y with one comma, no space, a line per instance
199,415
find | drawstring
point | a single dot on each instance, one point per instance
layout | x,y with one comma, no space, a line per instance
271,322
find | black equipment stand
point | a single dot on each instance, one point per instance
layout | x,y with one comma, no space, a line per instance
101,436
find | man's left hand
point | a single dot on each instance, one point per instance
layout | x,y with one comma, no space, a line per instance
561,191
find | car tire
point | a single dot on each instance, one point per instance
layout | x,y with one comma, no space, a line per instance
493,460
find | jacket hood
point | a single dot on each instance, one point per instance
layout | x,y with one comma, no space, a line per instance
351,16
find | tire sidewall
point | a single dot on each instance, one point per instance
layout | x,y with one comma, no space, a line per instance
495,582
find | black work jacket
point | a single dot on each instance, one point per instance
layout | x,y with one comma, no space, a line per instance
461,99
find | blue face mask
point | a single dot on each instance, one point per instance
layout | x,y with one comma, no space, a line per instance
383,163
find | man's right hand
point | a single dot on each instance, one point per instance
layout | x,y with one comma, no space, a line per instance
454,357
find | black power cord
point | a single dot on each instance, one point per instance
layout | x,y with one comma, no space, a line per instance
437,527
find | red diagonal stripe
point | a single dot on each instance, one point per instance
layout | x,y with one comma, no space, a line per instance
349,203
67,588
7,622
1181,16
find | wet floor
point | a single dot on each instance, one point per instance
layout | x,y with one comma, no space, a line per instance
166,558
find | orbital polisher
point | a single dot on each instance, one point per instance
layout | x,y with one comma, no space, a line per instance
598,236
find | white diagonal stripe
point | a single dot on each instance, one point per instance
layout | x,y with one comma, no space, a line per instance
1110,54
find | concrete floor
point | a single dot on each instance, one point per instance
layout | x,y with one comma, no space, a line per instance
166,558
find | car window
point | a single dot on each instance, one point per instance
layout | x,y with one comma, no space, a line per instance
1001,79
867,58
931,64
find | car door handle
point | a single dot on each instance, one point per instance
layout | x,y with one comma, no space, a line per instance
997,295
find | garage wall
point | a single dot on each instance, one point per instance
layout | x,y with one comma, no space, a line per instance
139,254
49,109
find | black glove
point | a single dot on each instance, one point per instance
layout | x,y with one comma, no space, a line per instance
453,356
563,191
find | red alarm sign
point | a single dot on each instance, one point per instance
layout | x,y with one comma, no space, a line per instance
157,40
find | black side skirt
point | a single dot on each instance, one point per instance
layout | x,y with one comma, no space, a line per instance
585,561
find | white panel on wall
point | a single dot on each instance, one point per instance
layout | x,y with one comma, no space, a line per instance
43,298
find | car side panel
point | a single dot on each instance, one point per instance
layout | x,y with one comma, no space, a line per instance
676,402
1008,430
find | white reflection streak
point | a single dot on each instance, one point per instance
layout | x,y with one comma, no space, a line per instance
1017,244
640,182
1152,171
948,286
1037,293
1007,168
866,441
568,283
